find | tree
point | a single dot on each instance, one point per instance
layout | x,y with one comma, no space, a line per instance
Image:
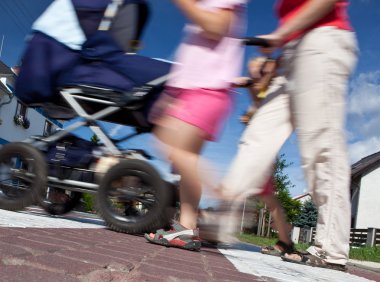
95,139
283,185
308,216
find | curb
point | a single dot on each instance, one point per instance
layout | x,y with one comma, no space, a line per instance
354,263
363,266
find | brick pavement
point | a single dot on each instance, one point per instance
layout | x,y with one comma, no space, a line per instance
79,248
55,254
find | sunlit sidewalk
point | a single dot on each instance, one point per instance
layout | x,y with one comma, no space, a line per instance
34,232
248,259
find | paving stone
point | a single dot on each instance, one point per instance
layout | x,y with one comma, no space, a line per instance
11,232
30,244
104,275
370,275
129,246
67,265
233,276
78,240
94,258
147,278
79,253
131,255
30,274
8,250
194,261
171,273
52,239
48,232
184,266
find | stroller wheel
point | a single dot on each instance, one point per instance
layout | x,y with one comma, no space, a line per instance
23,175
132,198
59,201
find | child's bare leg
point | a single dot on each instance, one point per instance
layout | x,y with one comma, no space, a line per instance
185,143
279,219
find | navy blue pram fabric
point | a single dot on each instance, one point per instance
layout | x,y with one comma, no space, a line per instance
71,151
100,54
48,65
42,63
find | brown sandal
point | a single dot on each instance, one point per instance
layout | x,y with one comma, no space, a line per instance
279,249
311,260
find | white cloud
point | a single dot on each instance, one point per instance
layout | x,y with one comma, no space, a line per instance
365,94
364,148
371,127
364,115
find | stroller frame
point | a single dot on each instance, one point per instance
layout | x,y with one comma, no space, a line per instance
121,94
158,204
74,94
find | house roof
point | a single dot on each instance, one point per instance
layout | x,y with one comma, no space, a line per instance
10,76
364,164
3,89
5,70
299,197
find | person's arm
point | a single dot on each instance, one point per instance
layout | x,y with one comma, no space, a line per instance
311,12
248,114
242,81
215,24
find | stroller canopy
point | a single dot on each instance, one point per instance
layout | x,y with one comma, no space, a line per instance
72,21
68,49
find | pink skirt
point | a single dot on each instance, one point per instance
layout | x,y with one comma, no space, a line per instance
268,188
203,108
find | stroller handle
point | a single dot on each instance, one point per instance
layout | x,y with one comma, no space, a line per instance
256,41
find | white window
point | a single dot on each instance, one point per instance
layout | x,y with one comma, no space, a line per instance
48,128
20,116
21,109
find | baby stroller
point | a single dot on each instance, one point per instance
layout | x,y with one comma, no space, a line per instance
89,74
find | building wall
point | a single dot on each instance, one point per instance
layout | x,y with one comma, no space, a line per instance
354,207
368,213
11,132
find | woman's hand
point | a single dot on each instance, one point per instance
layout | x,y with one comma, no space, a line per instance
242,82
275,39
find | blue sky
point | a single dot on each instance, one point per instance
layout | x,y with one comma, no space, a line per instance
163,34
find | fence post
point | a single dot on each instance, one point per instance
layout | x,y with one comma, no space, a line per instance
296,234
371,237
242,218
263,223
260,222
309,235
269,224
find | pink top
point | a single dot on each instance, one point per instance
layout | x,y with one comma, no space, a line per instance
207,63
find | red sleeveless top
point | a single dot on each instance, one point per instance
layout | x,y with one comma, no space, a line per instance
287,9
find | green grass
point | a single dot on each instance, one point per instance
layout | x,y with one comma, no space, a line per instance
89,202
256,240
263,241
362,253
365,253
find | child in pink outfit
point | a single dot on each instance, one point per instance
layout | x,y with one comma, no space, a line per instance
197,100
